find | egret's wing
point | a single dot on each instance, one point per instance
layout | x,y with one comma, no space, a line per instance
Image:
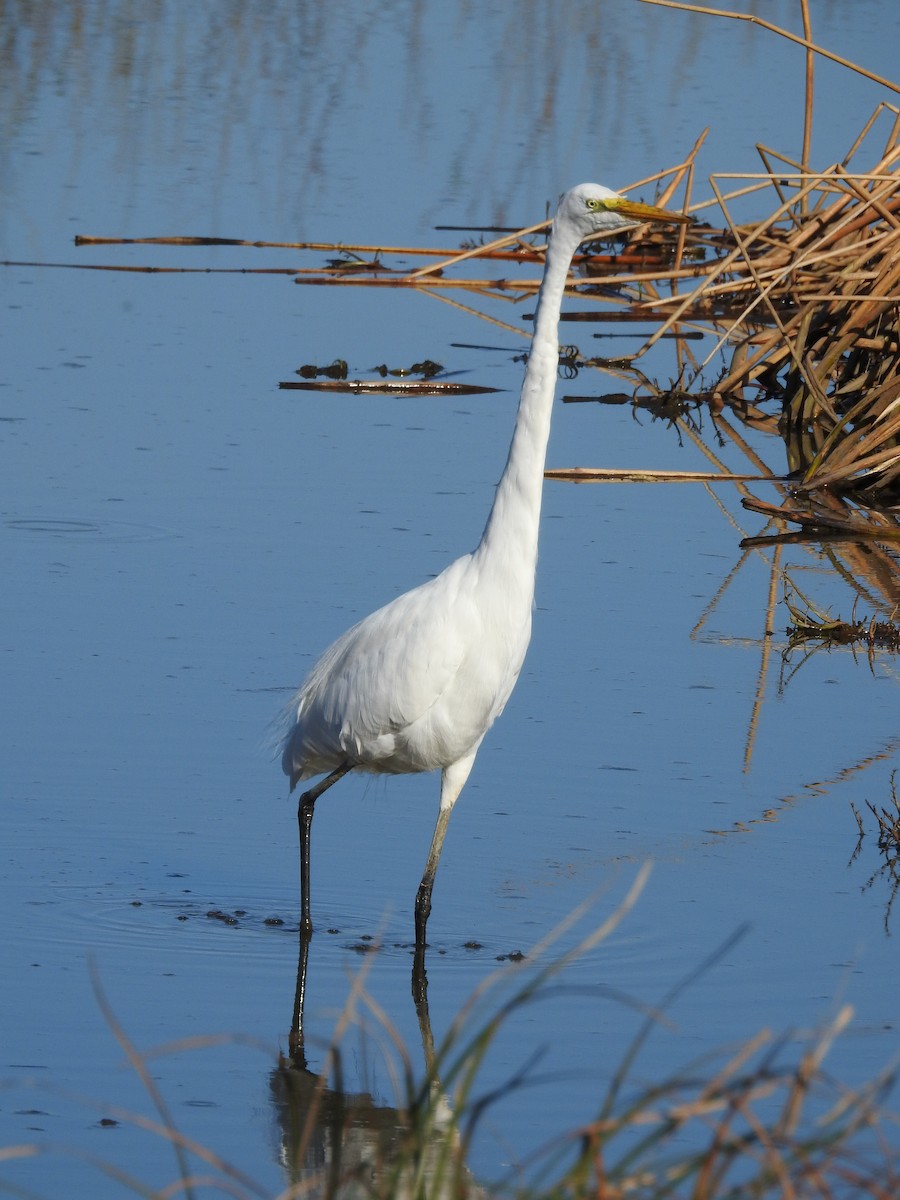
399,661
383,675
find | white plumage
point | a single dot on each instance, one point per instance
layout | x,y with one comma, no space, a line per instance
416,685
444,694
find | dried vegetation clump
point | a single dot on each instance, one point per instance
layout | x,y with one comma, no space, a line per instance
808,300
810,625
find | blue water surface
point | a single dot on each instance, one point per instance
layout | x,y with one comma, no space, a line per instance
180,538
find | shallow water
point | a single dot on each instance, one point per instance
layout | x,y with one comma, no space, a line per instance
180,538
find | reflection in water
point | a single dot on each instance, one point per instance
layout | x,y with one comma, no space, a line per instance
887,818
268,90
855,537
336,1143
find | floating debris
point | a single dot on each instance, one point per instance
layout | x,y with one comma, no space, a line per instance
216,914
386,387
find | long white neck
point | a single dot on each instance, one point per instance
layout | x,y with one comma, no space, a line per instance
510,537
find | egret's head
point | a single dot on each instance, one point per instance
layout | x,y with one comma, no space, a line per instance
594,211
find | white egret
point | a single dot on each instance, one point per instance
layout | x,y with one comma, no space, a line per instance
416,685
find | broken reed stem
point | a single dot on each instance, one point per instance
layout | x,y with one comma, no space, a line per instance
146,270
324,247
625,475
477,251
808,105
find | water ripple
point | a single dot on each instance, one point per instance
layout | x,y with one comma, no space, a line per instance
107,531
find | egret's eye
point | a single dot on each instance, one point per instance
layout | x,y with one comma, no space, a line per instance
594,205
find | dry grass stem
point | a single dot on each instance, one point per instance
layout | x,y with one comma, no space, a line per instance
785,33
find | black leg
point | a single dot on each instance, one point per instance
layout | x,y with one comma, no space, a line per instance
423,896
295,1042
304,819
423,910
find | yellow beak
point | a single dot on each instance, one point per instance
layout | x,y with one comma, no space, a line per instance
645,212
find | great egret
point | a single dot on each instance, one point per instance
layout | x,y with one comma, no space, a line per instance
416,685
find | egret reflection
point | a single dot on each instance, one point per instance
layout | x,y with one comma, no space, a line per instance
343,1144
